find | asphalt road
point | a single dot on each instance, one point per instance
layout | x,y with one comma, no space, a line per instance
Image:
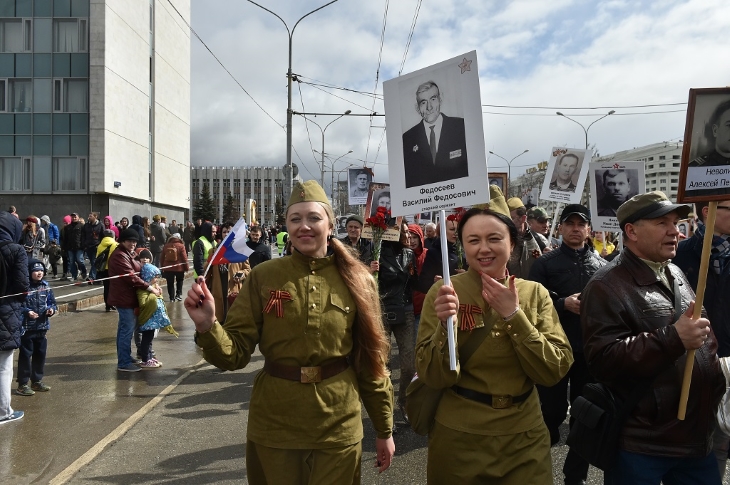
182,424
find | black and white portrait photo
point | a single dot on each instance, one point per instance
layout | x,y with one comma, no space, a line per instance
614,186
705,172
612,183
434,150
379,196
358,184
566,174
435,136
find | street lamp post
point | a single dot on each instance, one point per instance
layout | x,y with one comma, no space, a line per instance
321,171
509,166
290,177
332,171
340,208
585,130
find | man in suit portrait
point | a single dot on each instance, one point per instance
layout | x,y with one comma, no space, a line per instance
718,136
435,149
564,170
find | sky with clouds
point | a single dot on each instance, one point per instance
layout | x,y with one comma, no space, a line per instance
562,55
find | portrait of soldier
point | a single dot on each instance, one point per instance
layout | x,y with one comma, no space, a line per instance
565,168
718,137
434,150
616,190
360,183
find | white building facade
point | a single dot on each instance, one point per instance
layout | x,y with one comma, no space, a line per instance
97,117
265,185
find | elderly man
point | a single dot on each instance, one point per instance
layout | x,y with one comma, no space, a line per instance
429,230
564,170
633,338
716,300
526,249
538,222
364,247
565,272
434,150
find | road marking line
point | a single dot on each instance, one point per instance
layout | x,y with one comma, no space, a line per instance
117,433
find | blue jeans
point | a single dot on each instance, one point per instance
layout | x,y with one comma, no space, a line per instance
91,253
76,258
636,469
125,330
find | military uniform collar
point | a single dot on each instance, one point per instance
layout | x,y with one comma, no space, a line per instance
313,263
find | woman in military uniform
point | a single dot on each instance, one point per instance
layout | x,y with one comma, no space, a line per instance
488,426
316,318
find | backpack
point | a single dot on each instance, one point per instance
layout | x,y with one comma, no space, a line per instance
170,254
101,260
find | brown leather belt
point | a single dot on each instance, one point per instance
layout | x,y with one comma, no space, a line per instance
497,402
306,375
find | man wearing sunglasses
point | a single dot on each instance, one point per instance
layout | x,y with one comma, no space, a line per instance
716,300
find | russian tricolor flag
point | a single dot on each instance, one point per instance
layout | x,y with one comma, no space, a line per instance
233,249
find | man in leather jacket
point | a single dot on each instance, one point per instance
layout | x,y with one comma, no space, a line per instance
565,272
632,337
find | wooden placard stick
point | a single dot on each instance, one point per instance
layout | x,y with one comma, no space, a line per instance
699,298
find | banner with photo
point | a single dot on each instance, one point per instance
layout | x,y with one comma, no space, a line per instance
612,184
433,119
566,175
379,195
358,183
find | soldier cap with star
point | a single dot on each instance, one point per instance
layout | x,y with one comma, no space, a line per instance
515,203
310,191
496,201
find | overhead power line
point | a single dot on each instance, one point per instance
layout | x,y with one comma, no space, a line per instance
585,114
592,107
410,36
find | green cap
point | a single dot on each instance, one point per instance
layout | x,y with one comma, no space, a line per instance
310,191
537,213
496,201
355,218
649,206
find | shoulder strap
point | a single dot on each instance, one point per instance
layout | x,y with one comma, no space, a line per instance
644,385
475,340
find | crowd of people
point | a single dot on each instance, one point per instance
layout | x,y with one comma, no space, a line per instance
546,312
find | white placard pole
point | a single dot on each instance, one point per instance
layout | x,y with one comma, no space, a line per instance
447,282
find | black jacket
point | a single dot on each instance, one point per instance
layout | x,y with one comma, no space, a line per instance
432,265
396,276
137,226
91,234
717,291
261,252
564,272
364,248
158,232
15,264
73,236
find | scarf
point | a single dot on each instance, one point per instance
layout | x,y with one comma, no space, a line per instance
720,253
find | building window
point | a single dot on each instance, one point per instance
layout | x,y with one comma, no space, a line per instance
20,98
662,165
675,157
16,35
675,165
69,174
15,174
71,95
651,158
662,157
70,35
3,93
674,181
662,181
650,167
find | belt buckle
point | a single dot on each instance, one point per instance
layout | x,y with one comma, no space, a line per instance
311,375
501,402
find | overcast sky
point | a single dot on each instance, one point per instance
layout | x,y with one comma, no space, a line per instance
565,55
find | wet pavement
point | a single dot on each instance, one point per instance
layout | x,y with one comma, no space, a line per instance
184,423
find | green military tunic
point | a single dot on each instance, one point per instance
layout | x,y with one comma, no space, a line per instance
315,329
474,442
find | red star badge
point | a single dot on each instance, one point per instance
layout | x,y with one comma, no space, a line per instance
465,65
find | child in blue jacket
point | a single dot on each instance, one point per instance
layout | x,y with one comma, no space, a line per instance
39,307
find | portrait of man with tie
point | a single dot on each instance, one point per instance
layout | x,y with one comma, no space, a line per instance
435,149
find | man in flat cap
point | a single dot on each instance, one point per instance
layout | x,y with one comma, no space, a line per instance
364,248
636,317
565,271
539,224
526,249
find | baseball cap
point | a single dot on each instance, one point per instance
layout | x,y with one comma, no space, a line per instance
649,206
537,213
575,209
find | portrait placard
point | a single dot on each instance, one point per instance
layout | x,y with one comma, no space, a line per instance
500,180
566,175
379,196
358,182
705,168
434,119
612,184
